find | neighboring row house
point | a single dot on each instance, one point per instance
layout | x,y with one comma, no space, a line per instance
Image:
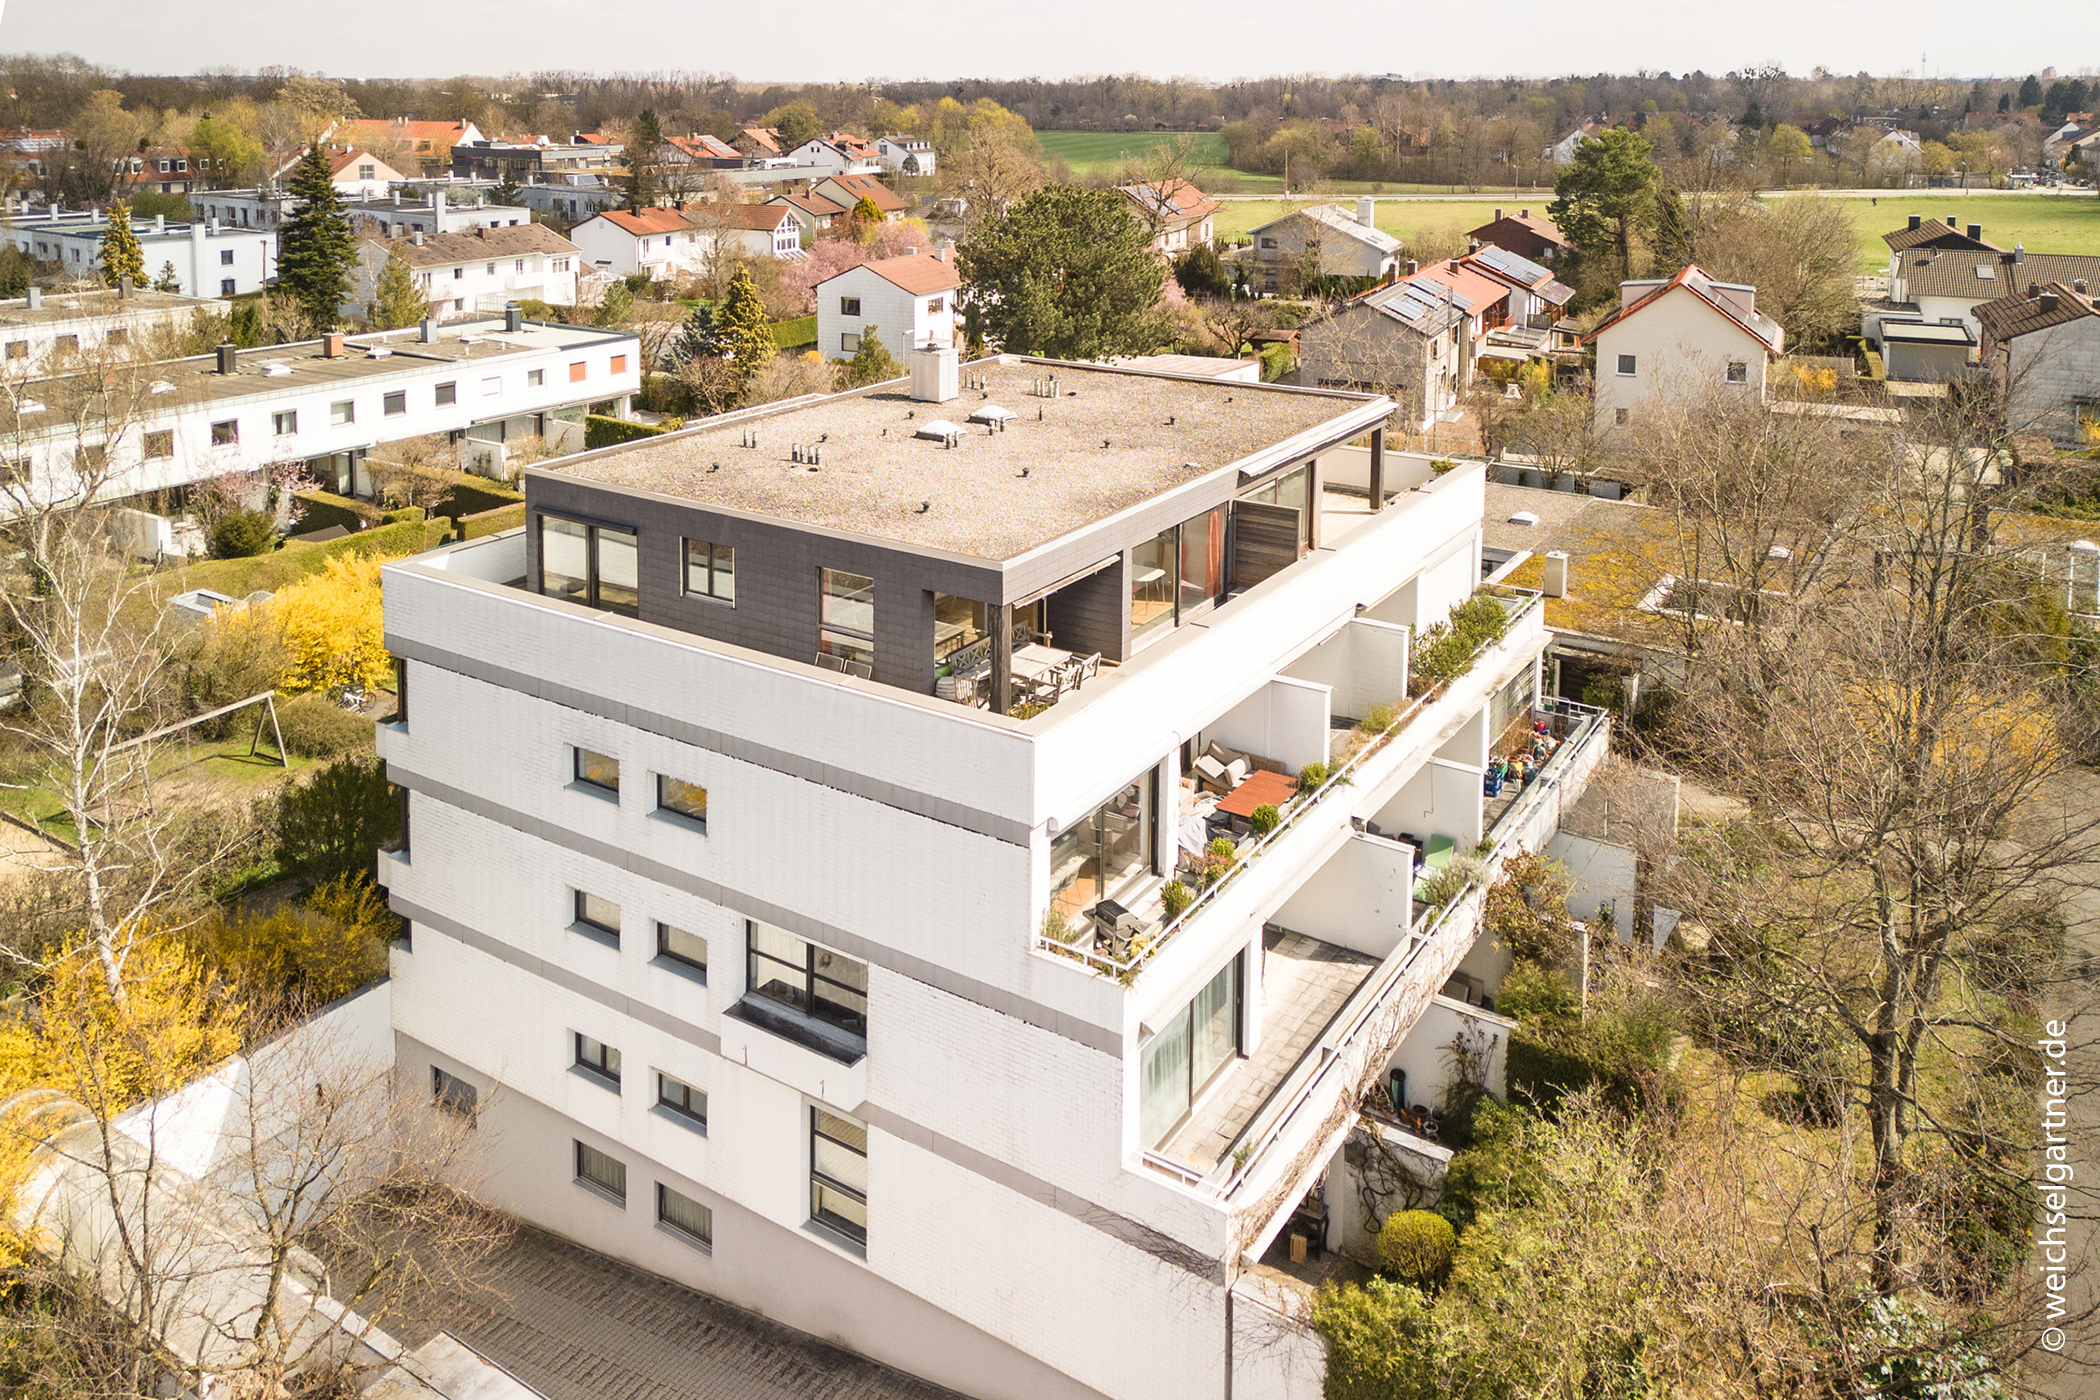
209,257
475,273
910,301
1179,215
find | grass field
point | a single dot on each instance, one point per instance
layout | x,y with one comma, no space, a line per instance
2044,223
1089,152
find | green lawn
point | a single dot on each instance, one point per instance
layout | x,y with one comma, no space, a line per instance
182,772
1089,151
2043,223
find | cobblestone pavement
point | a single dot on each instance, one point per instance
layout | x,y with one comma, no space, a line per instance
579,1326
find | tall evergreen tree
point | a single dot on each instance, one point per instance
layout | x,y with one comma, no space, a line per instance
1604,199
643,181
507,187
2030,91
872,362
315,248
745,330
1067,273
399,302
121,255
699,338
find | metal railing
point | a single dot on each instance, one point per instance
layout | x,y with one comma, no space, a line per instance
1588,720
1519,602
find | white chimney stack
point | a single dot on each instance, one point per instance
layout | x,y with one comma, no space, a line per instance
1554,580
1367,211
935,376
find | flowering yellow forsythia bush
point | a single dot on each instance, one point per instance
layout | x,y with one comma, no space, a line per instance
333,629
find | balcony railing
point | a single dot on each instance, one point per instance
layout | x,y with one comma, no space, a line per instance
1517,602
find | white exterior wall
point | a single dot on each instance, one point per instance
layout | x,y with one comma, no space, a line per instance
199,252
1681,347
893,155
2054,372
905,320
40,337
661,255
477,287
999,1082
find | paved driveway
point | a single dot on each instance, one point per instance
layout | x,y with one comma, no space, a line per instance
578,1326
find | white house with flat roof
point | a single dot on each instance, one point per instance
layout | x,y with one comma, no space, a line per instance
40,330
790,809
210,258
390,213
476,272
326,403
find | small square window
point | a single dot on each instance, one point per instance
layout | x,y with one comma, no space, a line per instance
682,799
677,1096
447,393
849,306
226,433
17,349
1628,364
226,257
685,1217
160,444
849,341
453,1095
597,770
619,364
459,303
1738,372
535,378
395,403
934,305
602,1172
597,914
688,950
285,423
458,273
597,1058
489,271
342,412
228,287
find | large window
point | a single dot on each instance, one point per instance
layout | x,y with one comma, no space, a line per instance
710,571
595,565
1177,571
838,1174
812,980
1097,855
957,622
847,629
1200,1040
601,1172
1293,489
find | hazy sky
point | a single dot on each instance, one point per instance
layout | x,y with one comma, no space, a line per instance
827,40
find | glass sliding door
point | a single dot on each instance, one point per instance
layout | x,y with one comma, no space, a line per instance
1152,570
1193,1048
847,628
1097,855
1176,571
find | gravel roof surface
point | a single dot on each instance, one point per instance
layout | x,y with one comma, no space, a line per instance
1107,441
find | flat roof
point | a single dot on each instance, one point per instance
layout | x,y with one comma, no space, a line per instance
1926,333
1110,439
80,306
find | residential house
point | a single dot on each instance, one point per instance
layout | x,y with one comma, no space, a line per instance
763,231
325,403
28,149
44,329
905,155
2042,348
574,195
1680,339
388,215
1324,237
1179,215
1485,299
428,144
1562,152
210,258
1528,235
477,272
360,175
837,154
160,169
952,1009
661,242
702,152
529,162
813,213
849,190
912,299
1407,340
761,143
1946,287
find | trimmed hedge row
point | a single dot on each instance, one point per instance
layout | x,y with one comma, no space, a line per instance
465,493
325,508
237,578
600,431
794,334
492,522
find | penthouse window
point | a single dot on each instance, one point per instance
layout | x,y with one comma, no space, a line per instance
595,565
1177,571
710,571
817,982
847,630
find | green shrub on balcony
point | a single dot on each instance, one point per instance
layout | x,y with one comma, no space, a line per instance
1445,651
1417,1246
1311,778
1176,897
1265,819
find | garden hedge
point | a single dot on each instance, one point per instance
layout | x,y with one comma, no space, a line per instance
492,522
237,578
324,509
601,431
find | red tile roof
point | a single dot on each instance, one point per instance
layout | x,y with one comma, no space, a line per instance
867,187
647,221
1476,287
921,274
1701,286
760,216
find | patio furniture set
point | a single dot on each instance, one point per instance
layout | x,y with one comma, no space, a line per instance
1042,674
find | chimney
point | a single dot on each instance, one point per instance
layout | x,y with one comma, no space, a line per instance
1498,216
2019,252
934,374
1915,220
417,238
1554,581
429,330
437,210
123,287
228,356
1976,232
2078,286
332,345
1413,267
1367,211
160,223
36,298
1523,213
480,231
513,317
2046,301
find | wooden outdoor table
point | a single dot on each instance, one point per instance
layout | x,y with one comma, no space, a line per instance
1262,788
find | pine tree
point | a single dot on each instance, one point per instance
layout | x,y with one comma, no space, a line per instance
618,307
315,248
745,330
699,338
642,182
872,362
399,302
121,255
169,280
507,187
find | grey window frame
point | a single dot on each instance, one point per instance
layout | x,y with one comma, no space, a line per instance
605,1068
714,571
447,393
454,1096
593,596
704,1241
1629,366
812,980
579,769
613,1190
665,953
680,1104
226,433
849,306
284,422
585,923
394,403
819,1180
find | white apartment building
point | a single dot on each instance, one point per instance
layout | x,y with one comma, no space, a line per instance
910,301
1678,339
39,330
475,272
210,258
388,214
661,242
572,196
763,958
326,403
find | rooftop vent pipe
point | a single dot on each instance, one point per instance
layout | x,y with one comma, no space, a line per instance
513,317
229,356
1915,220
